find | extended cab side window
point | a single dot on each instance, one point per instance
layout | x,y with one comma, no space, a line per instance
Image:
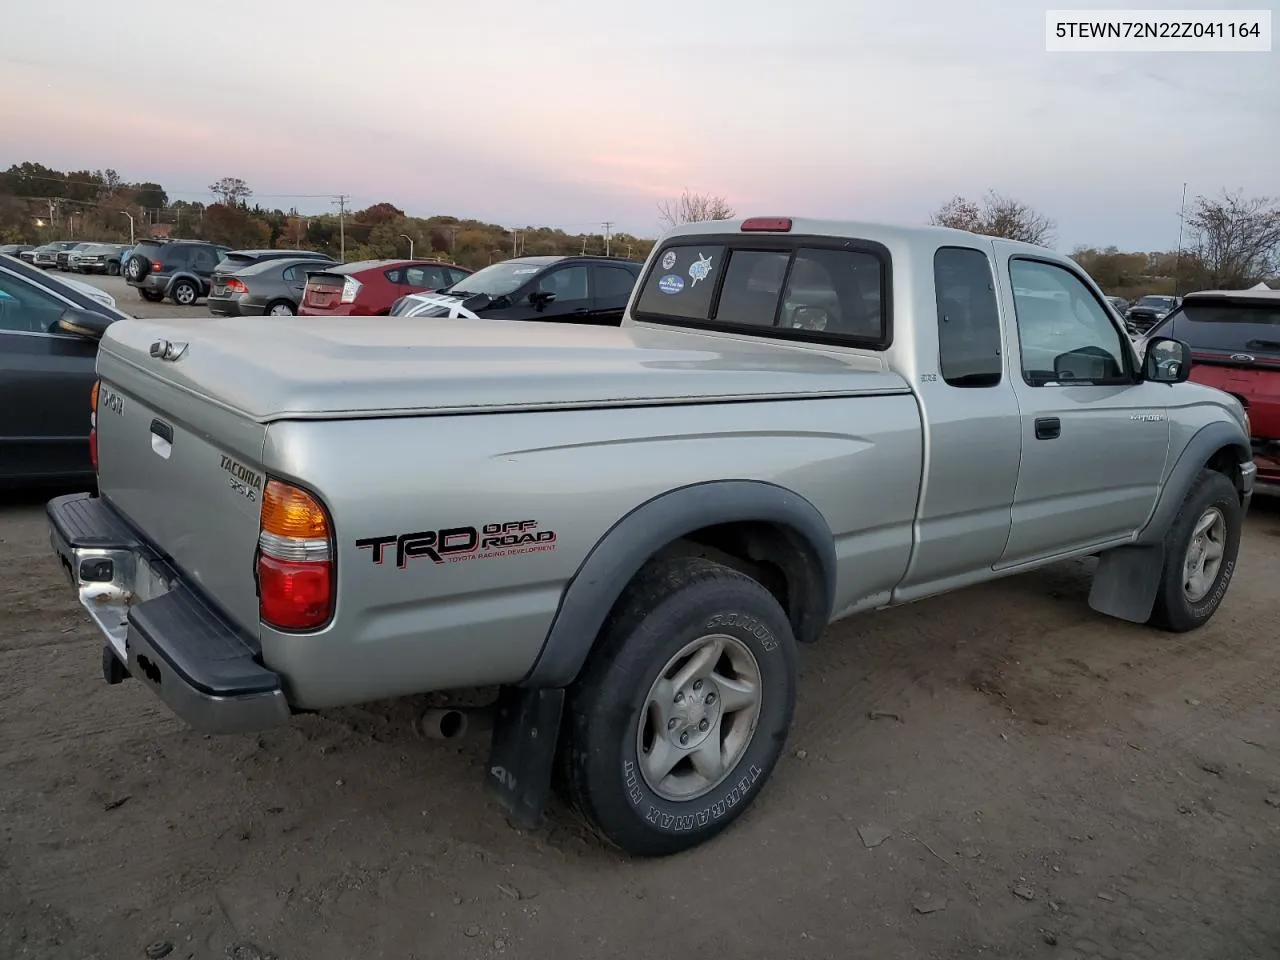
1066,336
968,318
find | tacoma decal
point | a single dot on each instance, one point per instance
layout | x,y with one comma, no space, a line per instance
246,482
455,544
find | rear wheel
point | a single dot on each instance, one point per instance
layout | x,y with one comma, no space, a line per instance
682,709
1200,555
281,308
152,296
184,293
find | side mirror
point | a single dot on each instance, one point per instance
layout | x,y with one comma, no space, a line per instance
83,323
1166,360
540,298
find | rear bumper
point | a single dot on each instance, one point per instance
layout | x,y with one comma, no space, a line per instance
225,306
202,667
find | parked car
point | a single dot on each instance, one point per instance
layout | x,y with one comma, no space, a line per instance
627,530
178,269
368,288
1235,343
46,374
271,287
234,260
63,259
1120,303
97,258
29,254
568,289
1149,311
47,255
15,249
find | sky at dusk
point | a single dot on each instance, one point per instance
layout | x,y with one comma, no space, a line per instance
570,113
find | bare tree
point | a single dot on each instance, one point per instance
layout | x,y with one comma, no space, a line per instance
1237,239
996,216
231,191
693,208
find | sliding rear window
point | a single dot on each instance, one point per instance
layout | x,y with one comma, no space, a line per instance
801,291
1249,329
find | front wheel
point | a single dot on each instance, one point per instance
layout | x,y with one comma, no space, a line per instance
1200,555
682,709
184,293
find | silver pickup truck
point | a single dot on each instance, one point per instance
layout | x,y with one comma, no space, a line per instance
627,531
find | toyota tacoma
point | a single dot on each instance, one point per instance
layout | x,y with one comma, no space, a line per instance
629,530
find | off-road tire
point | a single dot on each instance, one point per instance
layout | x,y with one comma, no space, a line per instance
176,295
1173,610
152,296
669,605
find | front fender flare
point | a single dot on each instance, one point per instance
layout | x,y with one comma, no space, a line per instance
624,549
1127,578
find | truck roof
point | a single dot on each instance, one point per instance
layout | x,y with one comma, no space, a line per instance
889,234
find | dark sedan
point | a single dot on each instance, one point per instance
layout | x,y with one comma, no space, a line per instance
271,288
46,375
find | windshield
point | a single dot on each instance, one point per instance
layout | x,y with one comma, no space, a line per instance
1164,303
497,280
1229,328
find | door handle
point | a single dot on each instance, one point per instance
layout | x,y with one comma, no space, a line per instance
581,311
1048,428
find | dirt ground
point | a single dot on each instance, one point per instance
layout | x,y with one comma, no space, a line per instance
995,773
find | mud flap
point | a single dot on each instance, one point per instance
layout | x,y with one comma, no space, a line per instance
1126,582
522,752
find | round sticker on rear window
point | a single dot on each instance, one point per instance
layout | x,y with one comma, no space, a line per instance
669,260
671,283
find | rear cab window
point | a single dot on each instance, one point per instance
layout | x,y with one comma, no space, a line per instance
1243,331
817,289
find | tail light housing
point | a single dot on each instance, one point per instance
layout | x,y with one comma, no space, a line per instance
93,424
236,286
296,583
350,289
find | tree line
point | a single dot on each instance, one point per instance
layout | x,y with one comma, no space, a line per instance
39,204
1230,240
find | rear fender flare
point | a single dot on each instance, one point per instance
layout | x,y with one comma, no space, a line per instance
201,287
642,533
1127,578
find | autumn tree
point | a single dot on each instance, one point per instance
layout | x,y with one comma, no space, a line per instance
151,196
1236,239
230,191
378,213
996,216
693,208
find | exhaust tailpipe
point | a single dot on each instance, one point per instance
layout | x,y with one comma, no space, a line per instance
445,724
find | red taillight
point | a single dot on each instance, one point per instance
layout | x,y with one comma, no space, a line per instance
766,225
236,286
93,425
295,559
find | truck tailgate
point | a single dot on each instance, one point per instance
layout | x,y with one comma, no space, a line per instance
185,471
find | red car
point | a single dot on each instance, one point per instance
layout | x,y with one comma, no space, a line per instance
1235,344
368,288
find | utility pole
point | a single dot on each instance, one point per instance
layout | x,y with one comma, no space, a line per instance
584,244
1177,262
341,201
608,224
130,216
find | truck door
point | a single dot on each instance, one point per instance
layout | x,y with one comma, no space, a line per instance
970,411
1094,435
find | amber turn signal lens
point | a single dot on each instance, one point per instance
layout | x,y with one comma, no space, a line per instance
290,512
93,396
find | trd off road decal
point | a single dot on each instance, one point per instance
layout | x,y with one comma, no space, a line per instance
456,544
